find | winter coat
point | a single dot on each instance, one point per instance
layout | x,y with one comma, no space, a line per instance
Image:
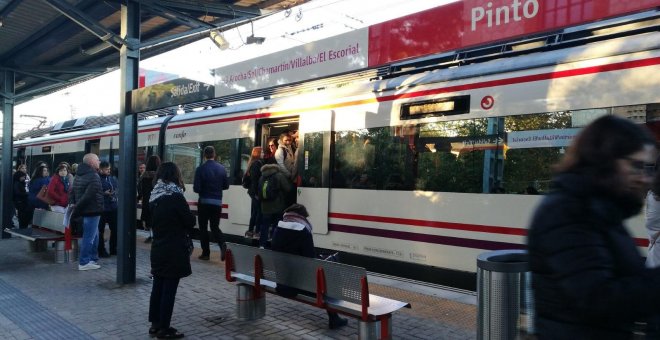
58,191
87,193
210,180
277,205
653,229
254,172
293,235
35,186
109,183
20,195
146,185
171,222
588,278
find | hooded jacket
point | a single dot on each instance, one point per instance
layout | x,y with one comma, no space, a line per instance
589,279
277,205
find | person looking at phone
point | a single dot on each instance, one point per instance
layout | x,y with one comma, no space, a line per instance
109,215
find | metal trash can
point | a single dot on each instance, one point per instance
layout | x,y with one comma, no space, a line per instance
504,295
60,254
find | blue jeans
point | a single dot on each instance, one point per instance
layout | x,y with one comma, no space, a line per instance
89,249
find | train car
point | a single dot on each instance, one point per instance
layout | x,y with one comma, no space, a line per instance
418,171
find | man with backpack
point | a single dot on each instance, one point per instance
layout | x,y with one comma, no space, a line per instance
273,189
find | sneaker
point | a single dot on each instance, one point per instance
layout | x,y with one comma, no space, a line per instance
170,333
89,266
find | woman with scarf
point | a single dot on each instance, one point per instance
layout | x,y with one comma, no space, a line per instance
293,235
172,223
58,188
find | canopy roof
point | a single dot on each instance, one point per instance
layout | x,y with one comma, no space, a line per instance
53,44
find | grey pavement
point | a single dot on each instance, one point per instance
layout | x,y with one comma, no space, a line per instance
40,299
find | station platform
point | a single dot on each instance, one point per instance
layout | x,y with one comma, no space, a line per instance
41,299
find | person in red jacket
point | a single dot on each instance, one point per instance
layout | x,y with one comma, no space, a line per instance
58,188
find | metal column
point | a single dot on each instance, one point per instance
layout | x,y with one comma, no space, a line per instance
7,98
126,214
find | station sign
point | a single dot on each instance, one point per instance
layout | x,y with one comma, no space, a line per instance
553,138
170,93
343,53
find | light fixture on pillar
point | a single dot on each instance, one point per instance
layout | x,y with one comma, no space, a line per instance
219,40
254,40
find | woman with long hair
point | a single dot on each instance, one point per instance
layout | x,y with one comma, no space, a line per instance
254,173
170,256
589,280
146,185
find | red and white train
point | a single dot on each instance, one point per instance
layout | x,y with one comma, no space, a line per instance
436,160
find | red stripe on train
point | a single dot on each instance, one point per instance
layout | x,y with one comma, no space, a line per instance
640,242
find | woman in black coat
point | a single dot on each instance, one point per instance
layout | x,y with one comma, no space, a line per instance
589,279
172,223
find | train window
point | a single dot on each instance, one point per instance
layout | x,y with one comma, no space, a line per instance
186,156
311,159
436,107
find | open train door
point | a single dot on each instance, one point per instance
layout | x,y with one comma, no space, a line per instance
313,164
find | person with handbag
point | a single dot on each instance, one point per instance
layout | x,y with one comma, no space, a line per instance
172,223
38,189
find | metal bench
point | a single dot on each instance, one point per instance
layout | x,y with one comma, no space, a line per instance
333,286
48,226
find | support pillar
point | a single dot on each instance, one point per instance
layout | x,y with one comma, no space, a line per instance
126,214
7,91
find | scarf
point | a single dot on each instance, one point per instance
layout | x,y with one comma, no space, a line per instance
65,182
164,189
294,221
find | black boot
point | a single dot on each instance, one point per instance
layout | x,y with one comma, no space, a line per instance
335,321
223,249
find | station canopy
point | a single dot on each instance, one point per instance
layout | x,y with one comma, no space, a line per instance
54,44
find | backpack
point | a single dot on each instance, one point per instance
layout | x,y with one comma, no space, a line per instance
268,187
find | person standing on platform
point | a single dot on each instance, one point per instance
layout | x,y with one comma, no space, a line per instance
589,280
86,197
653,219
141,169
146,184
20,196
254,173
170,257
109,215
273,191
210,180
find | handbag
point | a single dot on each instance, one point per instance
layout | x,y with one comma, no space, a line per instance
43,195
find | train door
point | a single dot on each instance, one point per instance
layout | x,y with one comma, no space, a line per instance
93,146
314,166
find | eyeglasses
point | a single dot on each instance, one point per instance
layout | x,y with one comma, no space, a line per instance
640,167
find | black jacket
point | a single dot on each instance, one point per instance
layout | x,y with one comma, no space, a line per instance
171,221
20,195
87,193
589,279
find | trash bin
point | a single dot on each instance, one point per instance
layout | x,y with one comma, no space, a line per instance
504,295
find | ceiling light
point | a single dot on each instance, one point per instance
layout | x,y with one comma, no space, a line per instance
219,40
